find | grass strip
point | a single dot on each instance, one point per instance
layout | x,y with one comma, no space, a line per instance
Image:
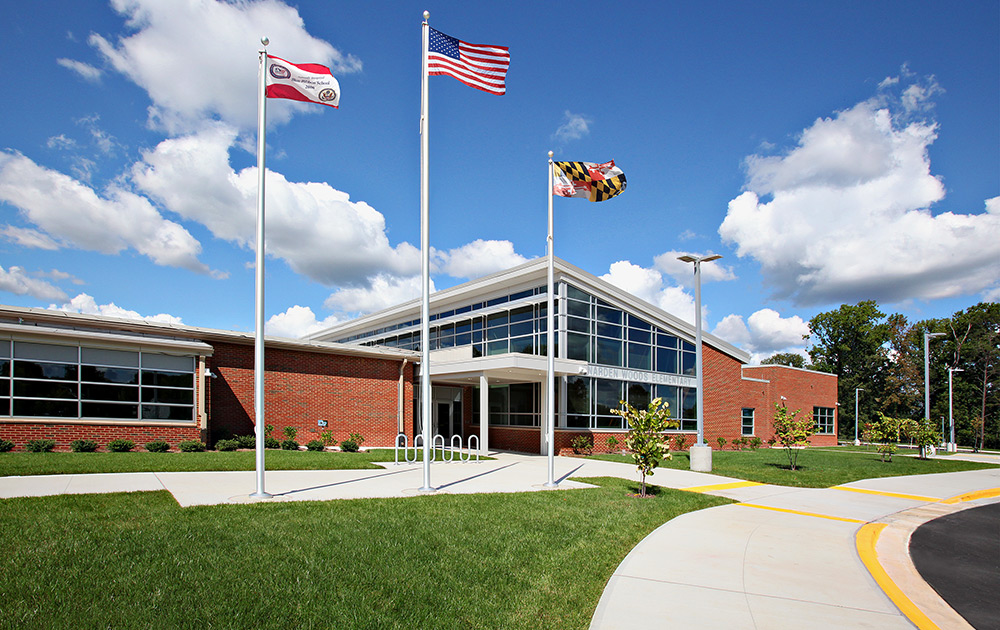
816,468
21,463
529,560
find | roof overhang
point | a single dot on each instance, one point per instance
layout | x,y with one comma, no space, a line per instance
462,368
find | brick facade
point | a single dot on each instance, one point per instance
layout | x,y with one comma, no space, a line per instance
352,394
64,433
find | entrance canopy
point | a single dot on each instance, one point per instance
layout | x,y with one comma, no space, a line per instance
458,366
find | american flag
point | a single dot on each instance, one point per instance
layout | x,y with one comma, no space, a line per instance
476,65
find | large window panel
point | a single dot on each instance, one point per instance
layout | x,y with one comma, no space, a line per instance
48,371
111,410
44,389
666,360
640,356
164,412
609,351
89,391
45,408
578,346
608,396
639,395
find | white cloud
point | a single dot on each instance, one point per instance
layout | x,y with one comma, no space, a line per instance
85,70
844,216
86,304
764,333
380,292
574,127
27,237
683,272
72,214
477,259
647,284
15,280
315,228
191,83
60,142
297,321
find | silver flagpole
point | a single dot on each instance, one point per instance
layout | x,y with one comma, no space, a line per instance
425,267
550,350
258,347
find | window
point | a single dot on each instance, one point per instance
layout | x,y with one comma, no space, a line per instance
823,417
747,424
64,381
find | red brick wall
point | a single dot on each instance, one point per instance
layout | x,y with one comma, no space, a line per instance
802,389
352,394
64,433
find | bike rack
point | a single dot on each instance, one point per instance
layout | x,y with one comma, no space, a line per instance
437,443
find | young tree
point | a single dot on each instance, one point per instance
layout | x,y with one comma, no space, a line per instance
886,431
645,435
792,432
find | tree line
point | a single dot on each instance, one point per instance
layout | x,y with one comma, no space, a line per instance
883,355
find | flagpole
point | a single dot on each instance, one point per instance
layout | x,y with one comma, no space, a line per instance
550,350
425,265
258,355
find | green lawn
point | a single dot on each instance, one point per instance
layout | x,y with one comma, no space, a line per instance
22,463
528,560
816,468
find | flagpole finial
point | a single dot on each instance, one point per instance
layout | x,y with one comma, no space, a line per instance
264,40
427,14
550,155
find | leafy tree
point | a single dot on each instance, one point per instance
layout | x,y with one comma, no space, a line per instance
886,431
924,434
792,432
645,439
976,341
854,342
785,358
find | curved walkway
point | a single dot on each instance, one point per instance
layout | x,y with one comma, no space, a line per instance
780,558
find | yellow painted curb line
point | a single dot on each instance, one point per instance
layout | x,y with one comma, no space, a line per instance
912,497
866,540
972,496
723,486
813,514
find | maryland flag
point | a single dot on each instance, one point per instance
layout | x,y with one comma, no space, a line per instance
588,180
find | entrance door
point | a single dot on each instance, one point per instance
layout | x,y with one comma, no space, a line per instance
442,421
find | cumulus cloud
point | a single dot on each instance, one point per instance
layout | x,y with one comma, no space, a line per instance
477,259
85,70
382,291
15,280
683,273
574,127
845,215
87,305
189,84
764,333
70,214
647,284
297,321
313,227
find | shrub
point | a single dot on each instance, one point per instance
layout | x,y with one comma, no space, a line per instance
227,445
83,446
290,432
6,445
613,443
582,445
246,441
40,446
121,446
289,445
314,445
755,443
771,441
356,438
681,442
270,442
722,441
327,437
157,446
349,446
191,446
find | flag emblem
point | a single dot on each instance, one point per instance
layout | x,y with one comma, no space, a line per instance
481,66
588,180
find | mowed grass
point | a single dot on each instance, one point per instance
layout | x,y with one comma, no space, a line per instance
22,463
529,560
815,468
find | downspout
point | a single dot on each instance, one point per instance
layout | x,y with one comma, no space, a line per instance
399,411
202,412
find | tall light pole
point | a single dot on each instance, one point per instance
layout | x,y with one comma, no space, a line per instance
927,375
857,442
701,459
952,446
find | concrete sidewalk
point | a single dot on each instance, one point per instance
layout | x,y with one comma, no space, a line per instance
780,558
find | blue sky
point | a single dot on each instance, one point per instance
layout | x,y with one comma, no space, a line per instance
830,152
